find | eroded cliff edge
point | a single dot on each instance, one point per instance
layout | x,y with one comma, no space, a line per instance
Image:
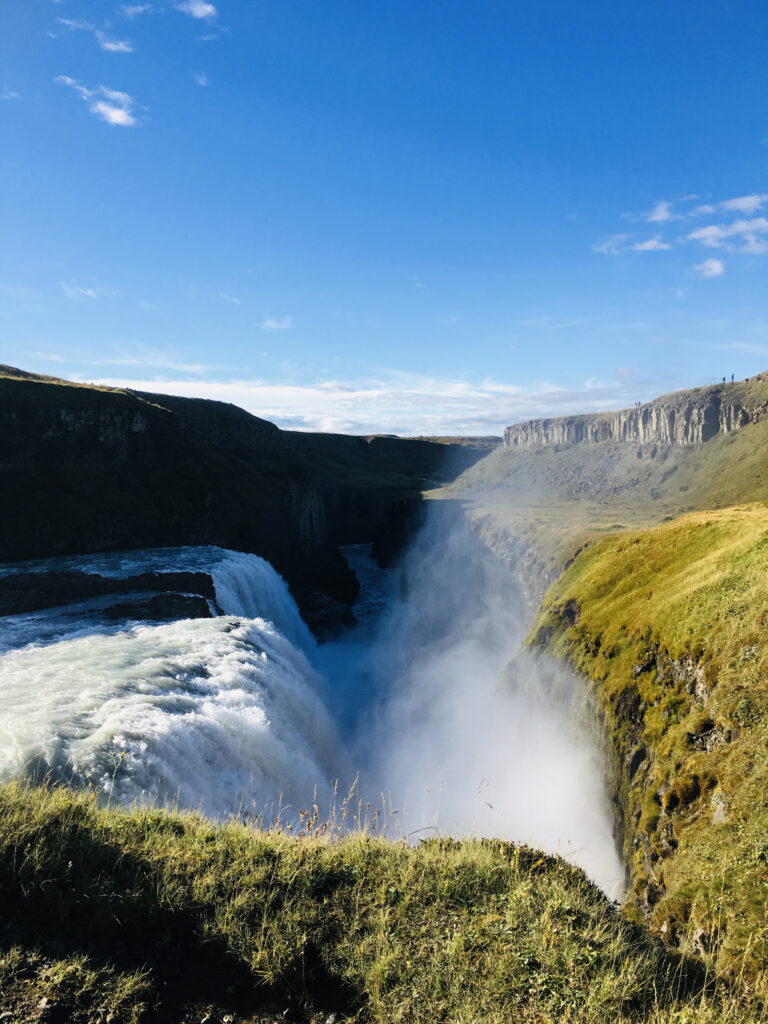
681,418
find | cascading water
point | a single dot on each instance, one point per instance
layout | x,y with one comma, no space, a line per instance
244,714
222,714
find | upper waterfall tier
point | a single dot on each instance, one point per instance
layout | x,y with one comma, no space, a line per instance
680,418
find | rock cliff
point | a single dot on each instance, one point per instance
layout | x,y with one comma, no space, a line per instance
682,418
86,469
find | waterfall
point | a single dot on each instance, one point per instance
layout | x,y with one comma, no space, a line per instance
223,714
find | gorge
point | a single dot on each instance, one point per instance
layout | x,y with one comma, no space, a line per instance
559,640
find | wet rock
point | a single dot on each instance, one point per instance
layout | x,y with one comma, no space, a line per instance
325,617
162,608
34,591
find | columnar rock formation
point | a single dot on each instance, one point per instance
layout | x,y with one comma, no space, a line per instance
682,418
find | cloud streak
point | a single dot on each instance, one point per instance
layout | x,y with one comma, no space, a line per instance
739,236
398,403
104,41
132,11
110,105
270,323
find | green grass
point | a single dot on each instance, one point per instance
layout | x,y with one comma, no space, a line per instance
544,503
149,915
670,626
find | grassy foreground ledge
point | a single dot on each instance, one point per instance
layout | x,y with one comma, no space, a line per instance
670,626
147,915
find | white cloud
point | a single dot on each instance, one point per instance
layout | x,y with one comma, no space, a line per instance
710,268
201,77
270,323
73,291
654,244
745,204
615,244
77,25
131,11
104,41
661,213
9,94
738,236
699,211
197,9
231,299
612,245
113,45
110,105
409,405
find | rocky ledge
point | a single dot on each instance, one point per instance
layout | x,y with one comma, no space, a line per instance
682,418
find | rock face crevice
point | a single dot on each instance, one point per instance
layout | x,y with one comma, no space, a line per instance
683,418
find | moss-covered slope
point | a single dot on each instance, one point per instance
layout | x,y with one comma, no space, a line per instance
153,916
671,626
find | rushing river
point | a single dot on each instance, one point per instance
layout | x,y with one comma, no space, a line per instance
243,713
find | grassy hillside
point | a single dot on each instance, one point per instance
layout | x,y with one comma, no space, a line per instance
145,916
670,625
544,503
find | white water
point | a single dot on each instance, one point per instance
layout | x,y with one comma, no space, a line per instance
245,714
222,714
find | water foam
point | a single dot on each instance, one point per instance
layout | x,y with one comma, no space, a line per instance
222,714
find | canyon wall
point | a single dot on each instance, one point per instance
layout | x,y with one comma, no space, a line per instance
86,469
682,418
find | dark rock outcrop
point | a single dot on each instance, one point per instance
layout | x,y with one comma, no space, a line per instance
33,591
85,469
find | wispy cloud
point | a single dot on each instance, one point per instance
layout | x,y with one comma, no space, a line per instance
73,291
113,45
615,244
654,244
710,268
132,11
104,41
746,204
409,405
197,9
270,323
700,211
110,105
660,213
746,236
231,299
201,77
612,245
9,94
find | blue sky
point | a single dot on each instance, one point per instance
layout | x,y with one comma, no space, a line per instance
424,217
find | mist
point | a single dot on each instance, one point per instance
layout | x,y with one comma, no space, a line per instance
449,737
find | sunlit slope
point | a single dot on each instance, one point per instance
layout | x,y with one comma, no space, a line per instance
149,916
670,624
547,501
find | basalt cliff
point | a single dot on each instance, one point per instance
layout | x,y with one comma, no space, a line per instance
682,418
